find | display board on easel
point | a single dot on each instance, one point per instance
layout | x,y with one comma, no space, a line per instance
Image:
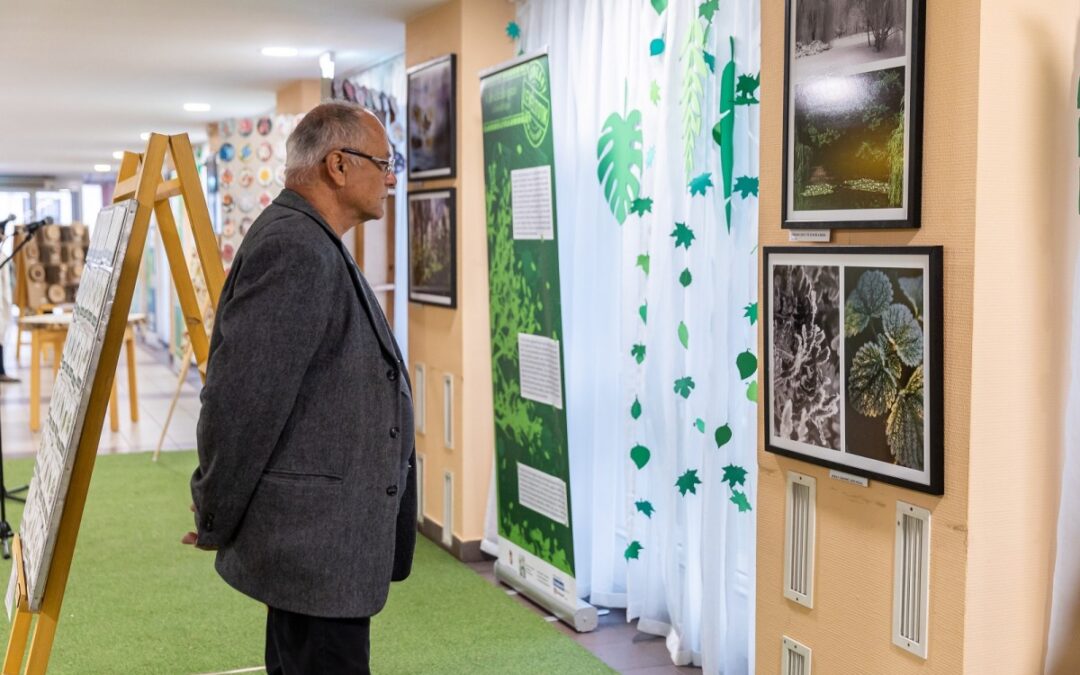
45,544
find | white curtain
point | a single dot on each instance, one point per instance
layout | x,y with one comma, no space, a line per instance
655,121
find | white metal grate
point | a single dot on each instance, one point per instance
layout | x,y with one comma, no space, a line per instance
448,510
911,582
448,411
799,528
419,488
420,398
794,658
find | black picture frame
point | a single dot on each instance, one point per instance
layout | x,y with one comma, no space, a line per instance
833,334
439,287
843,85
431,119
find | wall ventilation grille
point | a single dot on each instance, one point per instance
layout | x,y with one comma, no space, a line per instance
799,539
448,510
420,398
911,582
794,658
448,411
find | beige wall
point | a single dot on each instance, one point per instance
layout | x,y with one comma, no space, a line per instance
456,342
850,627
298,96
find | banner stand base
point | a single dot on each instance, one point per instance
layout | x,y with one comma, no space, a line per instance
583,618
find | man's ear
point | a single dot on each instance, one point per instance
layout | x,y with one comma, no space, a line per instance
335,166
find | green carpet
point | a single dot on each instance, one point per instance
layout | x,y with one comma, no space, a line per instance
138,601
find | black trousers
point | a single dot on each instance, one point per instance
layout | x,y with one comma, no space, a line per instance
298,644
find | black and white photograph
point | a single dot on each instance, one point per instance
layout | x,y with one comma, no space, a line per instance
853,114
431,104
806,354
853,375
432,256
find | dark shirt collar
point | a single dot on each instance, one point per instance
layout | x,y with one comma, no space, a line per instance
291,199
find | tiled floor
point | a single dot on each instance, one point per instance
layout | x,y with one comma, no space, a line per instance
616,642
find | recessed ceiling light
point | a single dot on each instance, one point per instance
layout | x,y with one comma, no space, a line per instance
281,52
197,107
145,135
103,168
119,154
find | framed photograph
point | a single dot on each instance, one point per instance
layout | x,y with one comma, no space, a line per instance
853,85
432,251
853,360
431,122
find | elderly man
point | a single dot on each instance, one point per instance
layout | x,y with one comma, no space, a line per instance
306,479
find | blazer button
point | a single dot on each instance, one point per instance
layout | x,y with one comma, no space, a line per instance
391,374
394,431
391,491
208,522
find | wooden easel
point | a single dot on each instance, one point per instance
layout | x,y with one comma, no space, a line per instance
139,178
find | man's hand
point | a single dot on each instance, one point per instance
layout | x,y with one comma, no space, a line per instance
192,538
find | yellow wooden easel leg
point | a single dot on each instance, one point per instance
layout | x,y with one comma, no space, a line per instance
20,631
35,380
133,394
184,367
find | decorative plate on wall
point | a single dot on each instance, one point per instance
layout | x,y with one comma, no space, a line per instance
246,178
265,152
245,126
227,152
264,126
266,176
246,152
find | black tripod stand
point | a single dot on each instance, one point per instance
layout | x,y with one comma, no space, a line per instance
6,533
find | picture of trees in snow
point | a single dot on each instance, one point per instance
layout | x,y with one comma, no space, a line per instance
832,35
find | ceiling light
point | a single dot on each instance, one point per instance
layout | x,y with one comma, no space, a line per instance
145,135
197,107
119,154
103,168
281,52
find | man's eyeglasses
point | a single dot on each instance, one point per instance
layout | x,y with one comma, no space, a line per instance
385,165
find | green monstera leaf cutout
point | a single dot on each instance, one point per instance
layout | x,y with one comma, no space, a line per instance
635,409
734,475
683,235
684,385
872,296
722,435
688,482
633,550
619,152
739,499
913,291
904,426
684,335
746,362
638,352
645,507
872,384
905,333
640,455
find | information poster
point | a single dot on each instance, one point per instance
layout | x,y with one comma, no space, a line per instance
532,465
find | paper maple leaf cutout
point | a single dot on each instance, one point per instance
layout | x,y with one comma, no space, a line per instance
699,184
513,30
643,262
638,352
710,61
654,92
643,205
746,186
734,475
688,482
751,312
684,236
708,8
744,90
645,507
683,386
739,499
633,550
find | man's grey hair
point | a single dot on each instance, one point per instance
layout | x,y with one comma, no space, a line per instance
328,127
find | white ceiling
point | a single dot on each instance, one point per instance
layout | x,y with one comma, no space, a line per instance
80,79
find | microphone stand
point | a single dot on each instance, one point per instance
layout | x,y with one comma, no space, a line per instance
6,533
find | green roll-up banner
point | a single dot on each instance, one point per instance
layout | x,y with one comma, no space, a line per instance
532,467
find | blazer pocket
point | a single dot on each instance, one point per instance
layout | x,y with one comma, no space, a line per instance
278,476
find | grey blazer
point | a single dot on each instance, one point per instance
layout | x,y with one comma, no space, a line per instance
306,481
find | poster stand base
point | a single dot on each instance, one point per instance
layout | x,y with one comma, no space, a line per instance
582,618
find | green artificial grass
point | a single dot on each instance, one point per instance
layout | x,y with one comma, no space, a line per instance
138,601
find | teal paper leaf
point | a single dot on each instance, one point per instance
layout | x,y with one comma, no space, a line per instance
640,455
739,499
746,186
633,550
686,278
643,311
638,352
683,235
750,312
688,482
656,47
699,424
659,5
641,206
707,9
710,61
645,507
513,30
643,262
746,363
751,392
722,435
734,475
683,386
654,93
699,184
684,335
635,409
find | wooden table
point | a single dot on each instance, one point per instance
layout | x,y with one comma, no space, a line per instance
52,329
